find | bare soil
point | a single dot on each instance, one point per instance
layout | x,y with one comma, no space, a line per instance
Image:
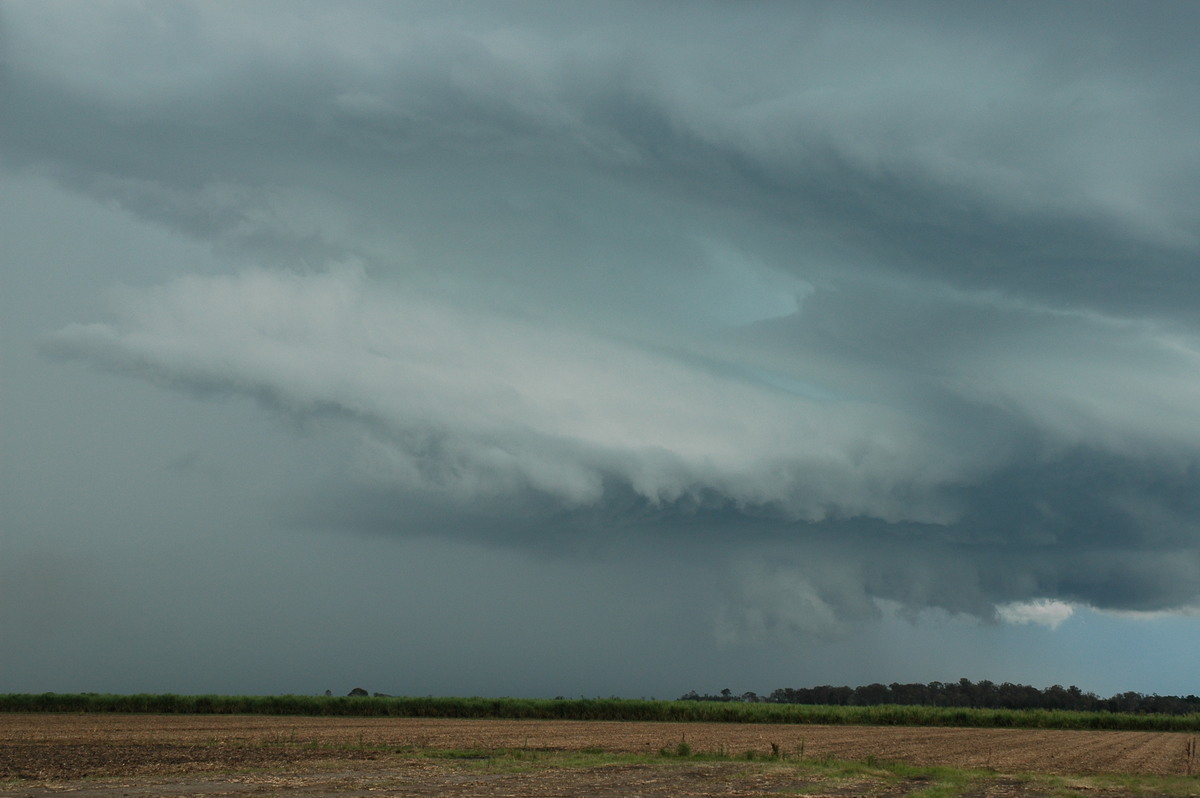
165,755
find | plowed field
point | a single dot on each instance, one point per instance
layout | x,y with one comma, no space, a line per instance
142,755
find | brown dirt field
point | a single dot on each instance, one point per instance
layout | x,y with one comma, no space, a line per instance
144,755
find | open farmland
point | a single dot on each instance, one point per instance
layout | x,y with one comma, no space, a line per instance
104,754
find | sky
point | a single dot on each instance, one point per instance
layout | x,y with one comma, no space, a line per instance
626,348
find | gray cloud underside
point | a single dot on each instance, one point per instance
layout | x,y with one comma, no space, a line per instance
923,330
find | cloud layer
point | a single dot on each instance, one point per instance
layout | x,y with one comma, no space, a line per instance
917,327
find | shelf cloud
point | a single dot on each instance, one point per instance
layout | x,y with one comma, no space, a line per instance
896,306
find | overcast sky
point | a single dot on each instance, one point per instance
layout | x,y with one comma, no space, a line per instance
598,349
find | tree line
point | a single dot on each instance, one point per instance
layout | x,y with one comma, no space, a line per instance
726,708
965,693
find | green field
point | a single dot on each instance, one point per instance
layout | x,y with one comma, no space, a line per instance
595,709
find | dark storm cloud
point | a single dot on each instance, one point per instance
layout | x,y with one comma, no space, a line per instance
898,305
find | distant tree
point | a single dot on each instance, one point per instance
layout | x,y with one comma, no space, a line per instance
1125,702
871,695
965,693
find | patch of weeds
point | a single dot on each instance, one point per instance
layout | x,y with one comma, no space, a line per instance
682,750
1174,786
520,760
460,753
951,787
776,754
937,782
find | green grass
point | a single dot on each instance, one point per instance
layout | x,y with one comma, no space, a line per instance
593,709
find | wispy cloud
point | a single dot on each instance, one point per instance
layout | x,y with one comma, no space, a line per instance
1044,612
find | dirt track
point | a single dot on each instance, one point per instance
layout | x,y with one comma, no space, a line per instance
146,755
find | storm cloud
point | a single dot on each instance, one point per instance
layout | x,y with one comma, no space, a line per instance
861,306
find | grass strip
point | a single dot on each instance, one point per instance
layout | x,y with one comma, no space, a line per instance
614,709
